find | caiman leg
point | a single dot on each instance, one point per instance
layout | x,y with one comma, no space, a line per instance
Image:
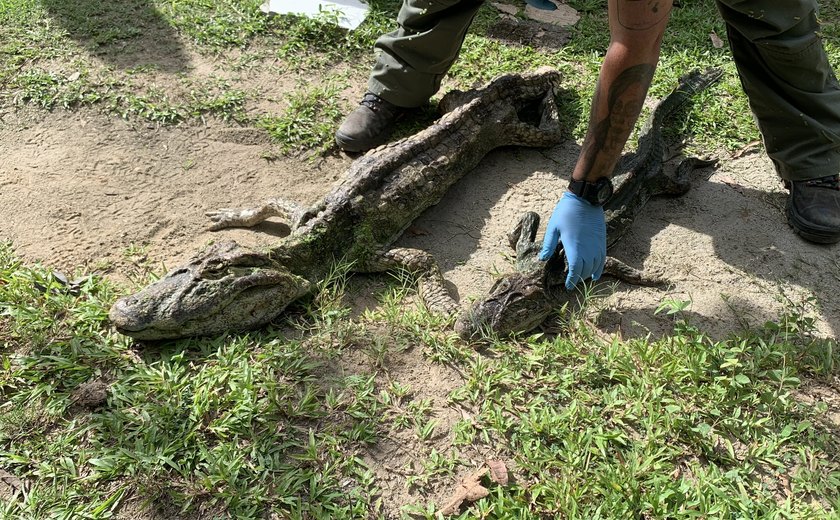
679,182
421,264
618,269
248,217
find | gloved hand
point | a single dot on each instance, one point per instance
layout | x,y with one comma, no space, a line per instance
583,230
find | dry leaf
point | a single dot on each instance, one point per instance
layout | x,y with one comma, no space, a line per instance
786,485
9,484
476,492
498,472
470,490
717,43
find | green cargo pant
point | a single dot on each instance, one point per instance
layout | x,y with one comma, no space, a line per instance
792,89
412,60
784,70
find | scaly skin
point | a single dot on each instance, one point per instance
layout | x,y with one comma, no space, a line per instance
520,301
230,288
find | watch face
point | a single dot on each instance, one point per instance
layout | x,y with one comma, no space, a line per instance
605,191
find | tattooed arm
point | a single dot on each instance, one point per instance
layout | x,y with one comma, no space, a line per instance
636,28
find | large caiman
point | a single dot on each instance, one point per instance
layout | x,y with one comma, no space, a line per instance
228,287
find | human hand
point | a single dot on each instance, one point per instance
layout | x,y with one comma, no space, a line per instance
582,229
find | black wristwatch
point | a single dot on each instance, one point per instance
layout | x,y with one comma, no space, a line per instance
596,193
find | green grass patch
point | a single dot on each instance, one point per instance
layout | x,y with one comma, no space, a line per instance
682,427
309,121
243,426
253,425
109,44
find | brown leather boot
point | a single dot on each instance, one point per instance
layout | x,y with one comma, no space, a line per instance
369,125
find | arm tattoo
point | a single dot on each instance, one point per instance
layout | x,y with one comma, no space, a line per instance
639,15
606,138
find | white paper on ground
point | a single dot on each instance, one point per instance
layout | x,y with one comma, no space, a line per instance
352,12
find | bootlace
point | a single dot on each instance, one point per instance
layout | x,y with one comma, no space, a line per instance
374,102
831,182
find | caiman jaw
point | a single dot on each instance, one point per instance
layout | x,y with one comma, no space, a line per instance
225,288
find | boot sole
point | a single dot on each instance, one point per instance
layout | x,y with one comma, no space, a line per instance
808,231
348,144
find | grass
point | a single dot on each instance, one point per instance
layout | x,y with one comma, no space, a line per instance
58,55
673,428
112,56
309,121
243,426
239,425
280,423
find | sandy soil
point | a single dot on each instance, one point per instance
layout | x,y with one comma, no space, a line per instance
79,191
82,191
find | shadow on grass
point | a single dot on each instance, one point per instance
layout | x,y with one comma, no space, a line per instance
126,34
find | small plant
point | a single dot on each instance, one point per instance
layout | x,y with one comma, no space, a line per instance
308,122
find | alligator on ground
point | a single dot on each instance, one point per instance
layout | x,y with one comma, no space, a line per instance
231,288
520,301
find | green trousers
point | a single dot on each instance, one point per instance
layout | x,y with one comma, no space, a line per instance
412,60
793,92
792,89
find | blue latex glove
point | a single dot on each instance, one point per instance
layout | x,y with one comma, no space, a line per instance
583,230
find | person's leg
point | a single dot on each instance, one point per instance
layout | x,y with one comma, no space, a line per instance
412,60
410,65
795,97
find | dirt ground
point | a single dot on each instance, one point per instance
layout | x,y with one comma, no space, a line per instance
84,192
81,191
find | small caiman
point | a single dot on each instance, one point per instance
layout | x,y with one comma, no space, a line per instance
520,301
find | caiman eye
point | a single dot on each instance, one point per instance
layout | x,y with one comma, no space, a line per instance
213,270
179,271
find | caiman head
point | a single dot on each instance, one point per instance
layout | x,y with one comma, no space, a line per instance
519,301
226,287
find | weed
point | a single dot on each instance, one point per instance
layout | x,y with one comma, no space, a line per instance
257,425
221,421
308,122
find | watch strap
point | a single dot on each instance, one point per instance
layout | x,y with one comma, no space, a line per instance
590,191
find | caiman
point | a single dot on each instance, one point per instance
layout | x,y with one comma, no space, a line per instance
520,301
228,287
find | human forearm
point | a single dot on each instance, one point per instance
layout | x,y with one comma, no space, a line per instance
636,28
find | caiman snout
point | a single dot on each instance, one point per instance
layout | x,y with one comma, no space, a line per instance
225,288
127,315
